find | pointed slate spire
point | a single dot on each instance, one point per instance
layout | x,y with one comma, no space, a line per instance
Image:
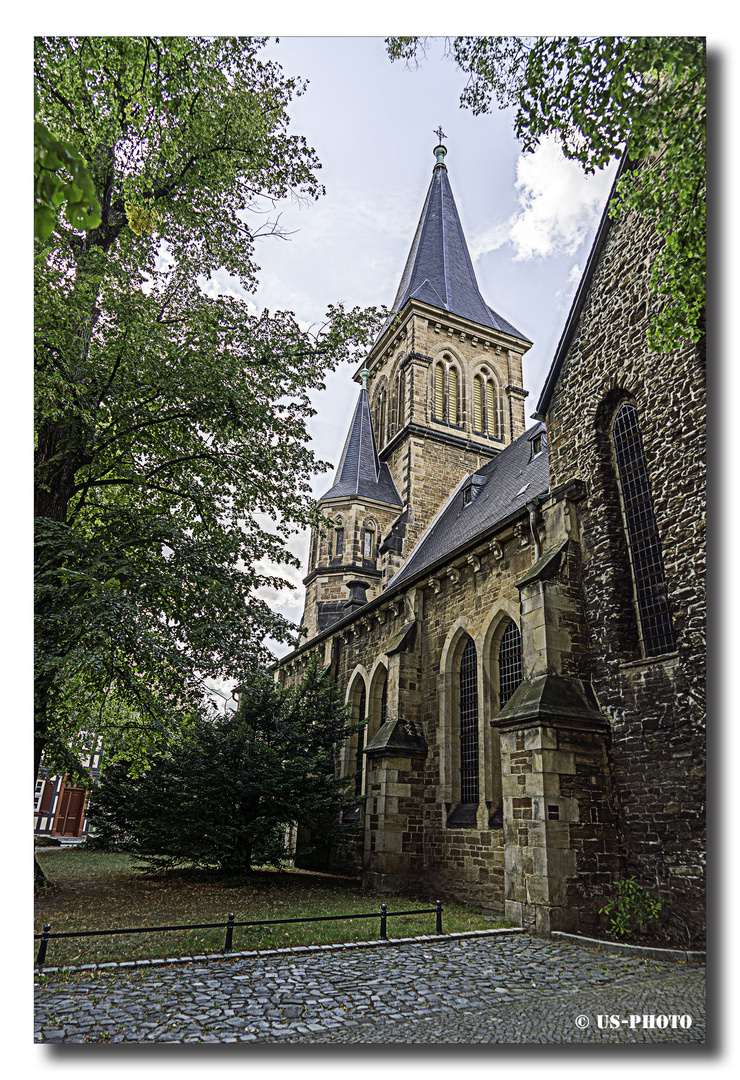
439,270
360,471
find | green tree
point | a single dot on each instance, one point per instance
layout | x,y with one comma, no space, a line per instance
61,178
600,95
227,786
171,447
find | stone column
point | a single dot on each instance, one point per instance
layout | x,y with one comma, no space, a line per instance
396,757
394,835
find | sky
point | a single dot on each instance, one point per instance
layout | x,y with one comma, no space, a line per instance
529,220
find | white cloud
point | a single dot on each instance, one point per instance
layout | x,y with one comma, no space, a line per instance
559,206
564,296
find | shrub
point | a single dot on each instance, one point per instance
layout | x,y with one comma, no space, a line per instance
632,909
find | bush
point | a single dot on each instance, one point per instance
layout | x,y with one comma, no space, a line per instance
632,910
225,789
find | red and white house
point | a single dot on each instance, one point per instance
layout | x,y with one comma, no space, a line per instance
60,808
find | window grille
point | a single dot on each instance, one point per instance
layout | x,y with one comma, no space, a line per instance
643,541
401,399
469,724
477,404
509,662
439,391
360,744
452,409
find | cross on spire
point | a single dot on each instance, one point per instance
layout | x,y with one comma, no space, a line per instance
440,134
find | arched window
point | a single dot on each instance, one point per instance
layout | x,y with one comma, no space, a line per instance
381,417
360,742
439,392
368,543
509,662
478,404
469,724
401,398
643,541
487,411
492,409
338,542
452,402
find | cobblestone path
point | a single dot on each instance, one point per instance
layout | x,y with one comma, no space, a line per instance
504,989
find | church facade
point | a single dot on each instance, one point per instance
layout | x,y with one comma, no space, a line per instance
518,612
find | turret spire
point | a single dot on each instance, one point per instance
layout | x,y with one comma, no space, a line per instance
360,471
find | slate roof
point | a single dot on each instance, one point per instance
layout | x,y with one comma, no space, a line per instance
438,269
500,490
360,471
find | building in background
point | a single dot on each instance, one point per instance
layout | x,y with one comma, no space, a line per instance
60,808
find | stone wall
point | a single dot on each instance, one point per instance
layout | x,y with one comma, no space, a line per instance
655,706
408,845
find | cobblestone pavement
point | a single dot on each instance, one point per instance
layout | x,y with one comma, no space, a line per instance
504,989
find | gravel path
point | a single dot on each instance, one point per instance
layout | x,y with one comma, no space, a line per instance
498,989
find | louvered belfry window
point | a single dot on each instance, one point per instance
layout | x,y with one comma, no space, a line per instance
491,411
509,662
643,541
469,724
439,392
477,404
452,399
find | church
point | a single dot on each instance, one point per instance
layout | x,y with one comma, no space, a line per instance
518,612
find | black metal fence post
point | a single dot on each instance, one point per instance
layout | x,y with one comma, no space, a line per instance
383,918
439,916
229,933
42,947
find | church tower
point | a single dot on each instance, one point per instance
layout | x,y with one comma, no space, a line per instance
445,383
441,395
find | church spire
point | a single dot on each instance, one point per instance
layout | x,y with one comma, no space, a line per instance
439,270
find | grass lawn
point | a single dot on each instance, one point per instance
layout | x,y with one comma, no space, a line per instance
101,891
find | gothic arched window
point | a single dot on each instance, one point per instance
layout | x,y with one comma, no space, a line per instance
452,397
439,391
478,404
487,415
643,541
469,724
401,398
494,410
360,742
509,662
338,542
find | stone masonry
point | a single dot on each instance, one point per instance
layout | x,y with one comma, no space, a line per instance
594,768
